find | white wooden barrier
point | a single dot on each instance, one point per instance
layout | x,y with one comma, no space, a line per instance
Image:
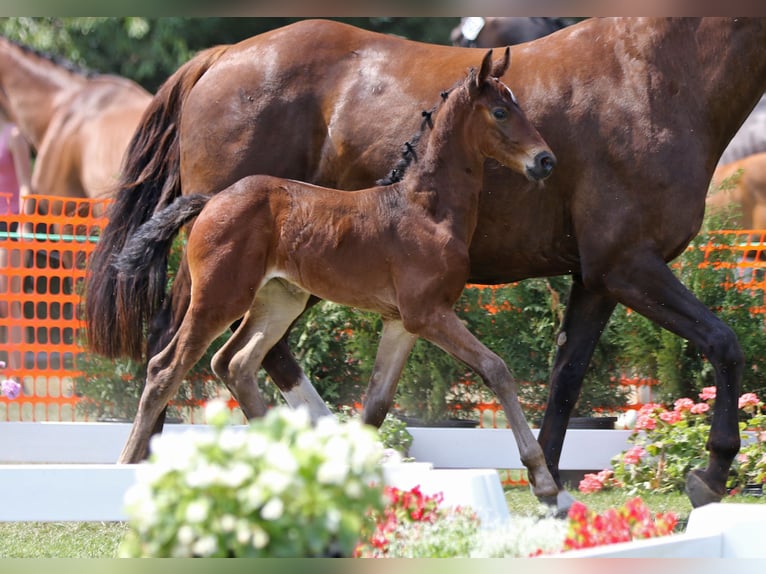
66,471
94,443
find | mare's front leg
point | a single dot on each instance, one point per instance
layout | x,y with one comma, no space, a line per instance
644,283
586,316
443,328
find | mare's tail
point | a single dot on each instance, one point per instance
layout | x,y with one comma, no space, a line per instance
141,266
150,178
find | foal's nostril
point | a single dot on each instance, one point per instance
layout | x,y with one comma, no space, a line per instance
544,164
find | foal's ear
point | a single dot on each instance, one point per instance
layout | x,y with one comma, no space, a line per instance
500,66
486,69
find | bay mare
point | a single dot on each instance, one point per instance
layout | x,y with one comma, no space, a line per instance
79,123
637,110
261,247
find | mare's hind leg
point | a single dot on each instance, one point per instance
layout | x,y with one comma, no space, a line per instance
586,315
165,374
276,305
443,328
394,348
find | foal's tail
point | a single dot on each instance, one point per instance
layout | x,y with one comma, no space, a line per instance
141,266
150,178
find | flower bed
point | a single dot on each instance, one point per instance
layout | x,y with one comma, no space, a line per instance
282,487
670,442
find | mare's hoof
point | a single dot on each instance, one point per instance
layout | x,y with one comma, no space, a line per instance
699,492
562,502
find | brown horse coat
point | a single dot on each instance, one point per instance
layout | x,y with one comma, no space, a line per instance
637,110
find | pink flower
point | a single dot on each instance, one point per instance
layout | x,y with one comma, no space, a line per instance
633,456
10,388
748,402
645,422
590,483
700,408
670,417
707,394
682,405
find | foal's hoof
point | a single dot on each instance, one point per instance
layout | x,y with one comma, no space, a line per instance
699,492
562,502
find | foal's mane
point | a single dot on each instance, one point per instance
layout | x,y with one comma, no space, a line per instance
54,59
410,147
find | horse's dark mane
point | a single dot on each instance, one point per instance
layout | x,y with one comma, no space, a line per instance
410,147
54,59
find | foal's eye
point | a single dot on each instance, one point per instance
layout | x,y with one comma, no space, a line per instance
500,113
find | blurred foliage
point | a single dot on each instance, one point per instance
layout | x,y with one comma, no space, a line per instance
148,50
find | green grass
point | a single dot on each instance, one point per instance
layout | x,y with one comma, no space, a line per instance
102,539
60,539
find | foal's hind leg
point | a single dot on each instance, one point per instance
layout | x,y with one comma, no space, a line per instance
165,374
275,307
443,328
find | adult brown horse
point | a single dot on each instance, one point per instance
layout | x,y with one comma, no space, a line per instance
79,123
637,111
262,246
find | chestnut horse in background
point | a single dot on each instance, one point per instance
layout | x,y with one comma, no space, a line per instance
744,186
637,110
262,246
79,123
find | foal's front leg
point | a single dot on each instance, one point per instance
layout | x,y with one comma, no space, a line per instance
443,328
394,348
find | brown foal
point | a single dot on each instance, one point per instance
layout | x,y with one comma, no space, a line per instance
260,248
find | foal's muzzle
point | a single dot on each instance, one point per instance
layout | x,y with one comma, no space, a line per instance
543,165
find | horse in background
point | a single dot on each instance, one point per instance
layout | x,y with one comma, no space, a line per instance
750,139
490,32
637,135
79,123
743,184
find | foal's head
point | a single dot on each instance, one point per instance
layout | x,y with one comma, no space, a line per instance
499,128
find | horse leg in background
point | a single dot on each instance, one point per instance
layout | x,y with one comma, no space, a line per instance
394,348
276,305
587,313
443,328
647,285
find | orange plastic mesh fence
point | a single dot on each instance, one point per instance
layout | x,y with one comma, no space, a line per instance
42,267
43,254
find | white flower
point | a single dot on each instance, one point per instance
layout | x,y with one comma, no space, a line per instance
256,444
236,475
273,509
332,520
197,511
231,440
333,471
185,535
205,546
217,412
275,481
260,537
278,456
228,523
